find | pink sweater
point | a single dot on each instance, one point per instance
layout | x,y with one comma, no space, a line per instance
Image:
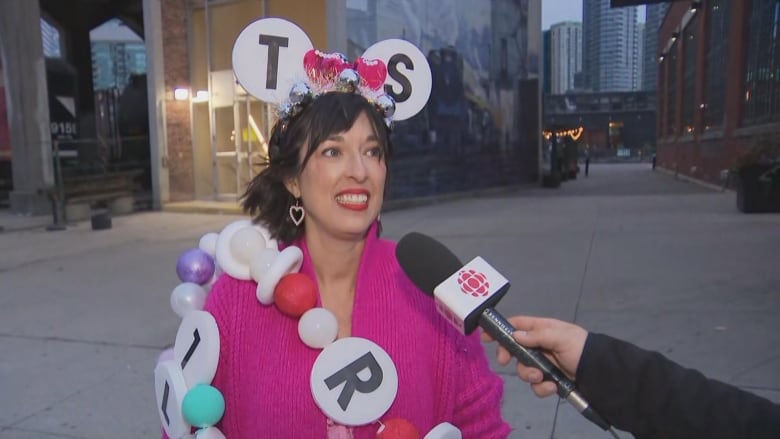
264,368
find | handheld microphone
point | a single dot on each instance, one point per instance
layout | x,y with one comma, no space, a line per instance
466,295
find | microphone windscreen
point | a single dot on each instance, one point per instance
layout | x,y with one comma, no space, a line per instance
425,260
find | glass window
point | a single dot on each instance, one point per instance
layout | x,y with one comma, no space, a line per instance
762,69
715,74
50,36
671,95
689,75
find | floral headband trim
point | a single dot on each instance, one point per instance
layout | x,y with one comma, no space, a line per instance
332,72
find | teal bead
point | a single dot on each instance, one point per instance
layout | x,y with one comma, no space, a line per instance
203,406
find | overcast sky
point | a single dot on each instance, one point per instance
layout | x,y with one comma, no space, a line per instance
554,11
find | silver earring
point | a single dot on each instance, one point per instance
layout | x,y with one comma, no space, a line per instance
297,213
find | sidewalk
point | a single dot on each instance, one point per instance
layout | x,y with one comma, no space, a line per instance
633,253
11,222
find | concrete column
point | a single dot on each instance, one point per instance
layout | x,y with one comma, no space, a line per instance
155,80
28,108
337,25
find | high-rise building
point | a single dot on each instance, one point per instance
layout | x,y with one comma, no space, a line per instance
641,29
565,55
653,18
546,62
610,47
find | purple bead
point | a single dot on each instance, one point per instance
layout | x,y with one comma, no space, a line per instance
195,266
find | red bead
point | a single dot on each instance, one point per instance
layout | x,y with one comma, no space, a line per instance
295,294
398,428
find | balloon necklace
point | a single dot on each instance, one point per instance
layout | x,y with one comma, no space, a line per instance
185,397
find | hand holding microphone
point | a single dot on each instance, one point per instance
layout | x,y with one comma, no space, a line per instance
562,342
466,295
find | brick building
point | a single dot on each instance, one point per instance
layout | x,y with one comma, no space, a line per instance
718,83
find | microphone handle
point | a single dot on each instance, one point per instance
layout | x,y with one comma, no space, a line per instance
501,330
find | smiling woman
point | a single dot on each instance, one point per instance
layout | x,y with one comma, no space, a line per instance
322,192
331,157
406,372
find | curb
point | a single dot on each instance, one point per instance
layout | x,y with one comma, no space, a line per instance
694,180
233,208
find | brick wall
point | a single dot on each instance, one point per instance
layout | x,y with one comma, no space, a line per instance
177,113
704,156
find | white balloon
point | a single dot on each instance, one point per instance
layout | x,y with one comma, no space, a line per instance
288,261
165,355
407,60
224,256
318,328
197,348
445,430
208,243
261,261
170,389
186,297
353,356
245,242
267,70
209,433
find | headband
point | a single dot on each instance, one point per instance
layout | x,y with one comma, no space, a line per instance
274,61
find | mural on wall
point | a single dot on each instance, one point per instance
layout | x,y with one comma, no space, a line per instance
480,128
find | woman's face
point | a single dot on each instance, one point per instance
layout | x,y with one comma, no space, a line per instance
342,185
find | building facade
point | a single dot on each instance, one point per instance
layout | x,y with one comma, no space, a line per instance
565,55
610,121
641,31
610,46
207,138
654,15
547,62
480,129
719,83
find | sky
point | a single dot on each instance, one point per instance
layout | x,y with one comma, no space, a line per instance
554,11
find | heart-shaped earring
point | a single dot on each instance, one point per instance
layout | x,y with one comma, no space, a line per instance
297,213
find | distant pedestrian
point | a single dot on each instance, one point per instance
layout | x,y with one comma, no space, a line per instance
587,159
653,161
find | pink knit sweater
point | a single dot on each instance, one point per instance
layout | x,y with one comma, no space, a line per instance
264,368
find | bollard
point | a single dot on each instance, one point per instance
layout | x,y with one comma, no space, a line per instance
58,222
101,220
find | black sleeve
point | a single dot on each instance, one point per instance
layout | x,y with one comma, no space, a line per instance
650,396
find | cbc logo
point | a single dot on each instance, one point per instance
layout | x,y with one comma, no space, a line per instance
473,282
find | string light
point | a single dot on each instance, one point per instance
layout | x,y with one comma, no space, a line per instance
574,133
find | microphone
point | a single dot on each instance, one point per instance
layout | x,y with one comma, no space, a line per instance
466,295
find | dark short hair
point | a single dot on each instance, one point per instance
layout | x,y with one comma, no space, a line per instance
266,198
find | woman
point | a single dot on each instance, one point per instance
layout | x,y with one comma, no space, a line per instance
322,191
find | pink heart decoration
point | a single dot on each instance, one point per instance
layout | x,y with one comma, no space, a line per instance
373,72
312,63
332,66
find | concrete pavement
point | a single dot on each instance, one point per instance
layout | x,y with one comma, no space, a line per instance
636,254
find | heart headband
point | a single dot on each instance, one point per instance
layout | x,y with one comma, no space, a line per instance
274,60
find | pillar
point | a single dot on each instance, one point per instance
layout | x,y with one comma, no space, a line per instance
28,108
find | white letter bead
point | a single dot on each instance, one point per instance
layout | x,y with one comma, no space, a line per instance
196,350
